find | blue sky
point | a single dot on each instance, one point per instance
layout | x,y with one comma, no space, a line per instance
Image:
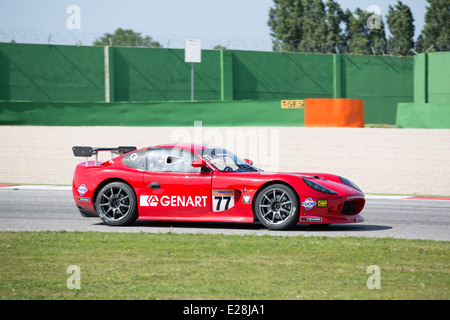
234,23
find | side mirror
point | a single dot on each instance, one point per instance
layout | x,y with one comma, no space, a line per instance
198,163
250,162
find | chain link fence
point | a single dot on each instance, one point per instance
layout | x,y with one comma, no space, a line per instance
368,47
78,37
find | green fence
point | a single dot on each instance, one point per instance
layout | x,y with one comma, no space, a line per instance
424,115
432,78
382,82
49,73
275,75
162,75
431,107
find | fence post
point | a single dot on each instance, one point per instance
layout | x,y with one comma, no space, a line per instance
421,78
109,74
226,75
337,85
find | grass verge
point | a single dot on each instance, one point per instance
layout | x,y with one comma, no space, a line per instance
33,265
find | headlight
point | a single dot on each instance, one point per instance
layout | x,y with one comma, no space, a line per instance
318,187
350,184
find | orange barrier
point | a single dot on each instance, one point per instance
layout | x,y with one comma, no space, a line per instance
334,113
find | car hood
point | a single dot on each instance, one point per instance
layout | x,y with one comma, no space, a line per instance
327,180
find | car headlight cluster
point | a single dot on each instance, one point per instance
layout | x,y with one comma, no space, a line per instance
350,184
318,187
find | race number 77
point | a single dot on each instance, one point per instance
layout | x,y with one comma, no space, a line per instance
222,203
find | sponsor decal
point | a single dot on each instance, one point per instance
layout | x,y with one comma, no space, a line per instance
292,104
82,190
222,200
83,199
311,219
223,192
246,199
173,201
322,203
152,201
309,204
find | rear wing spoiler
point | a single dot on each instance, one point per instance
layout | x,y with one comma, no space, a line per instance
90,151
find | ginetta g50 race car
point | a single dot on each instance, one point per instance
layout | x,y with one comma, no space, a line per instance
191,182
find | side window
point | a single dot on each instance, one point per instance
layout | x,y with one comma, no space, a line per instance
171,160
135,159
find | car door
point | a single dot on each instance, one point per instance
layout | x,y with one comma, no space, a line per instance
175,190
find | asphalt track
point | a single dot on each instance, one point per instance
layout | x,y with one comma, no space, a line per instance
52,208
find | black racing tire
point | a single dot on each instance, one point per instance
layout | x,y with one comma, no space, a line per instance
276,207
116,204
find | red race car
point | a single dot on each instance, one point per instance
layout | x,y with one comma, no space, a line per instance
191,182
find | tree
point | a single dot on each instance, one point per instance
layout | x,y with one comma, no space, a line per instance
435,35
305,25
126,38
220,47
363,34
286,22
334,18
401,25
314,27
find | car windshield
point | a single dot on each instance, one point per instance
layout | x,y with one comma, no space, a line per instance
224,160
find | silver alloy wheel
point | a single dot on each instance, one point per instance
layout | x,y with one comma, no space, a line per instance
115,204
275,206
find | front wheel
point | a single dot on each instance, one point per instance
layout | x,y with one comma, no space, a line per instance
276,207
116,204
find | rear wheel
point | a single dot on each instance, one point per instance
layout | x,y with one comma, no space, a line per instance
276,207
116,204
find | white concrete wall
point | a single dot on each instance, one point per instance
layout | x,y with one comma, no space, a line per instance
398,161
